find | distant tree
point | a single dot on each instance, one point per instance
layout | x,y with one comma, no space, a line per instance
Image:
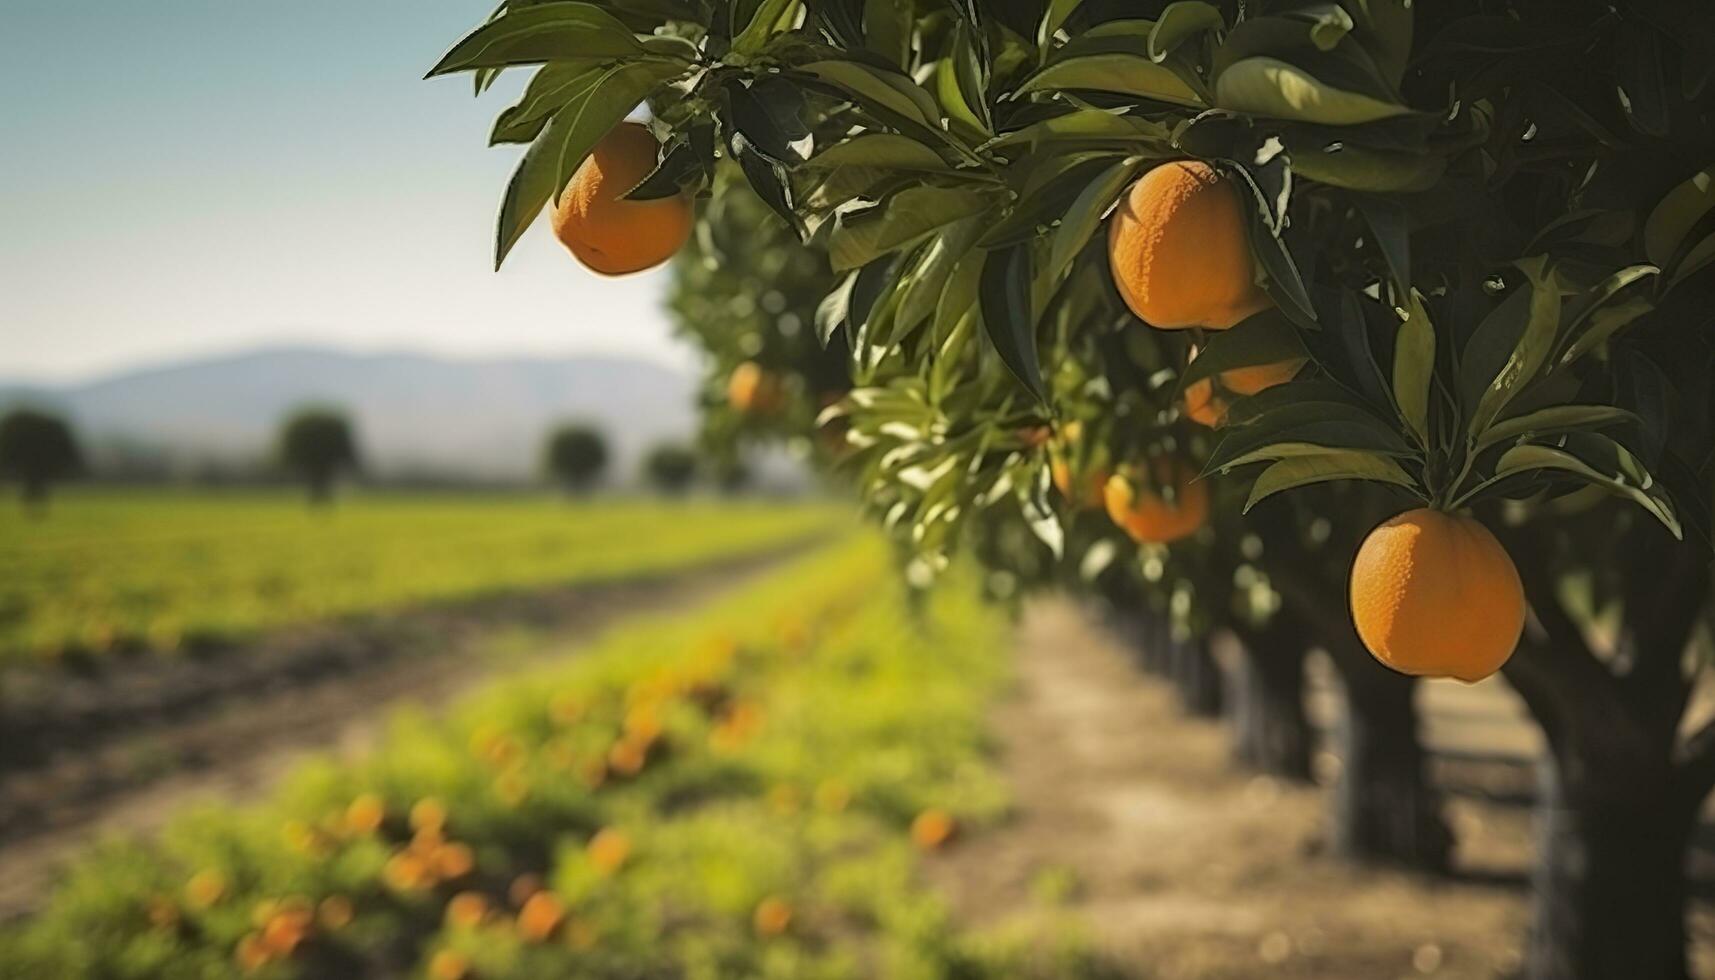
670,467
37,448
317,444
732,475
575,456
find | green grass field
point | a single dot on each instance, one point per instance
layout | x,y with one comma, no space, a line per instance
113,570
737,791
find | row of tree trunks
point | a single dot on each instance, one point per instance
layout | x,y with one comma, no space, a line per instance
1265,700
1382,809
1619,790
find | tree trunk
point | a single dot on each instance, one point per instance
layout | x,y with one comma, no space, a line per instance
1265,705
1195,676
1383,808
1608,888
1154,644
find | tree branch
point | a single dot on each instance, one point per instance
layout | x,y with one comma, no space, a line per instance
1660,628
1554,670
1695,776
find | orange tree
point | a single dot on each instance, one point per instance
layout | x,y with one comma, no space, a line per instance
1483,225
745,292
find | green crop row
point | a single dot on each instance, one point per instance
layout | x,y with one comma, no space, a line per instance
741,792
154,570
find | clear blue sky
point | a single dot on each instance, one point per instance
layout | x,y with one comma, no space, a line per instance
184,177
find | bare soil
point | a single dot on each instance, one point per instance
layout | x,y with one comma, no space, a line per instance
326,687
1181,866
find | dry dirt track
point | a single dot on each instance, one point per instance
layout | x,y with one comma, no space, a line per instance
1186,868
243,745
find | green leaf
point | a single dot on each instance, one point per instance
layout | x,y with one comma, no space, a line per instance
1008,316
541,33
1668,232
887,29
963,286
675,170
1535,343
1040,514
1385,29
1272,88
1413,366
1093,126
961,83
1598,318
886,150
1555,419
550,90
1122,74
1362,168
877,87
1053,18
573,132
1628,479
1179,22
1328,426
1302,471
834,309
1272,451
1045,198
1085,215
929,280
768,178
1267,337
906,216
1642,87
1329,23
1391,224
764,23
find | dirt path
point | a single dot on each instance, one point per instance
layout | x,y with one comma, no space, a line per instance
132,784
1183,867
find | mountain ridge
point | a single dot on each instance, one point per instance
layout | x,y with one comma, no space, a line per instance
414,411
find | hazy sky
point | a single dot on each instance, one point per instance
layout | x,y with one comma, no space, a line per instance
183,177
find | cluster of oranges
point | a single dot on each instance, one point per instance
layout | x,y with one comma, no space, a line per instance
429,858
1432,593
424,862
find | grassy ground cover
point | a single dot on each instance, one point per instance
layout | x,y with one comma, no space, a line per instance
742,791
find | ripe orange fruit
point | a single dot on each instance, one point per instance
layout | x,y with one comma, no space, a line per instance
628,756
1083,493
407,872
365,813
285,930
452,861
608,850
753,390
205,888
932,828
466,910
1206,400
429,814
448,965
252,954
772,916
608,233
1434,594
335,912
1148,515
522,887
540,916
1179,252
